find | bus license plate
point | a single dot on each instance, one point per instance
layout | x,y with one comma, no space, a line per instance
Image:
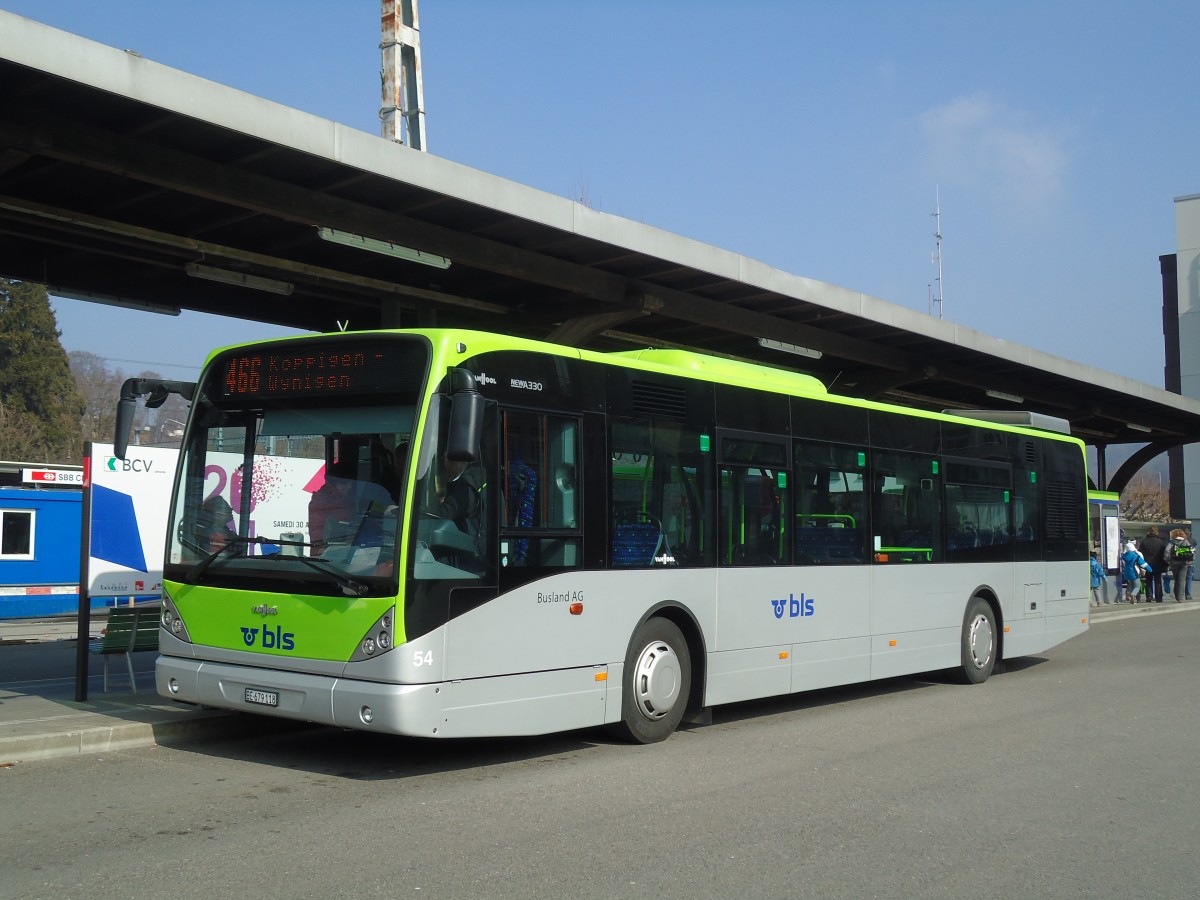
262,698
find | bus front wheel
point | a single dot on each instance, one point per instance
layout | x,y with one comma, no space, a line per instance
979,642
656,684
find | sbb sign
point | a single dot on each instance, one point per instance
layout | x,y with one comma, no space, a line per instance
52,476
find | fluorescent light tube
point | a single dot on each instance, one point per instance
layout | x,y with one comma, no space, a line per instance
387,248
1001,395
239,279
794,349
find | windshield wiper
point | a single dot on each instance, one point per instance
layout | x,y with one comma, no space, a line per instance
342,579
349,586
232,541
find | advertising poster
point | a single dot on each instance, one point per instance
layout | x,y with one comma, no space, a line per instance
130,499
279,498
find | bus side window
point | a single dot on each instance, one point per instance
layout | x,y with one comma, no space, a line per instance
978,507
660,491
832,514
755,526
753,513
907,515
540,515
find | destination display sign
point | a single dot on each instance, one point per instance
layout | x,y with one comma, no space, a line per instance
320,369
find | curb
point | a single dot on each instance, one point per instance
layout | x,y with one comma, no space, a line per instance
1155,609
201,726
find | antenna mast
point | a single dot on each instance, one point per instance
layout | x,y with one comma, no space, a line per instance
403,111
936,299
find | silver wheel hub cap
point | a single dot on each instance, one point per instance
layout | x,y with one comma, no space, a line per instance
980,641
656,680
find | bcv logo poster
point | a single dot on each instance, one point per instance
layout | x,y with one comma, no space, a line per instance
129,503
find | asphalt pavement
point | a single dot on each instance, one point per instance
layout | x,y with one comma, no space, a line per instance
40,719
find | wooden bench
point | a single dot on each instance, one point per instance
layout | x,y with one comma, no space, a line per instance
129,629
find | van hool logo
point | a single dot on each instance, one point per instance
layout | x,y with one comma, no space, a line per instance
263,610
272,638
484,378
793,607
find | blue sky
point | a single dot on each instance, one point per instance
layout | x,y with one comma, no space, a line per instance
812,136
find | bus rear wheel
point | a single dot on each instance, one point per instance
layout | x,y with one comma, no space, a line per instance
656,684
979,642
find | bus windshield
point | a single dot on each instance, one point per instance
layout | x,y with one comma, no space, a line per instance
295,483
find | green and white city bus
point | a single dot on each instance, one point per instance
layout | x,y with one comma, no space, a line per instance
450,534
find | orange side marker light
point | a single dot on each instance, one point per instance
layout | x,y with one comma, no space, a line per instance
891,643
576,609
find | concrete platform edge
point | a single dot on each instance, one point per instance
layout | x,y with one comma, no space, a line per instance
108,738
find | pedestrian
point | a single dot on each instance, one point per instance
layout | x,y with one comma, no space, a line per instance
1151,548
1132,566
1179,553
1188,587
1098,579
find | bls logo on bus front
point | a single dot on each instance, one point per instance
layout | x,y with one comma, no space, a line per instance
272,638
793,607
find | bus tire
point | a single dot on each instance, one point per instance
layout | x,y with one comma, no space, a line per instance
656,684
980,642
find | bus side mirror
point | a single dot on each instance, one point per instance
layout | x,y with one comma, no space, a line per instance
156,391
466,418
125,410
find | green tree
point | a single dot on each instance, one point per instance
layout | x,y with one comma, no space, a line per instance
39,405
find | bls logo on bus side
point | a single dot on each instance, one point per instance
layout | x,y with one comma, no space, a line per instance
793,607
272,638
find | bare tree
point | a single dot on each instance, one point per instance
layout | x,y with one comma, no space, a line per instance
1145,501
100,388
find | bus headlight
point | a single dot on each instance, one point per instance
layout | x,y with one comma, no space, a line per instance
171,621
378,639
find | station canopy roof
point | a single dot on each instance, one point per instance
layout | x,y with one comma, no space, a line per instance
122,180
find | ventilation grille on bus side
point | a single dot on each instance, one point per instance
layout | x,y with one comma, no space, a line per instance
659,400
1064,500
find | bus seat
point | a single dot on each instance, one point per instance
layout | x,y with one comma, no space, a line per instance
819,544
519,503
635,543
